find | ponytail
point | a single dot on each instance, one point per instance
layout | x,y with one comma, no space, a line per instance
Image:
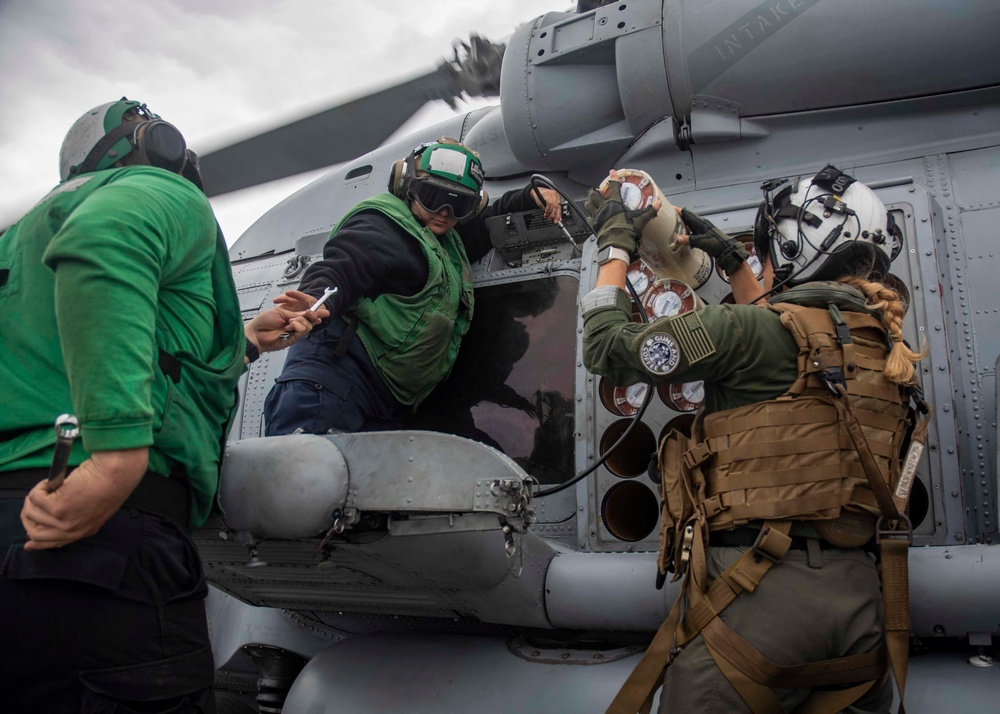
899,366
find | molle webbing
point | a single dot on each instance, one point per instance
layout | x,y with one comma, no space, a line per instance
793,457
827,451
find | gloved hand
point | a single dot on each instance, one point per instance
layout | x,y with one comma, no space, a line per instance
614,223
728,252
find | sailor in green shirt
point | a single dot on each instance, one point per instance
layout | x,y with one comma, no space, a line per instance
119,307
820,603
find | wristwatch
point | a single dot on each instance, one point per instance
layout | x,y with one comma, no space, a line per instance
252,353
606,255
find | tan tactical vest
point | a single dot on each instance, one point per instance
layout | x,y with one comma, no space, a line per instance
791,458
828,452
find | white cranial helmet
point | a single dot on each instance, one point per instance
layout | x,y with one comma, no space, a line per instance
821,230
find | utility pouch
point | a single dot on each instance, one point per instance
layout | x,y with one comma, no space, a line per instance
676,507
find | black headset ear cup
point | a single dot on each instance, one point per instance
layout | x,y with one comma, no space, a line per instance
160,144
761,232
396,175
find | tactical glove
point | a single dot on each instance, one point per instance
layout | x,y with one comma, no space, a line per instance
614,223
728,252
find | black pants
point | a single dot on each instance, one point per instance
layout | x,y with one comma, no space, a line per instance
319,390
112,623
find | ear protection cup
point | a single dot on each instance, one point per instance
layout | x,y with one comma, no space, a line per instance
762,233
482,204
396,175
160,144
156,143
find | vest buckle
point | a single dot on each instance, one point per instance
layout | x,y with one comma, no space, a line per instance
902,531
696,455
771,545
833,378
687,542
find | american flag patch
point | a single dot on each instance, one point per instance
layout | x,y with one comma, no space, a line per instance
693,338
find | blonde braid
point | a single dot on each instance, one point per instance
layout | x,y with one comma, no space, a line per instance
891,309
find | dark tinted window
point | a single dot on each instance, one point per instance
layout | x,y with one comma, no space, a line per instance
512,386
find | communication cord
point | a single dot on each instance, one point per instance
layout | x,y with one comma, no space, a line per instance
539,179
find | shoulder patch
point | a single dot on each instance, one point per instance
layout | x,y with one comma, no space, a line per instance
692,336
660,354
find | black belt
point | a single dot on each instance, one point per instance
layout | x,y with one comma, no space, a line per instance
167,497
746,537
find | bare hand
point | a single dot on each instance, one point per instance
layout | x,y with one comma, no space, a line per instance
552,205
265,329
89,496
298,301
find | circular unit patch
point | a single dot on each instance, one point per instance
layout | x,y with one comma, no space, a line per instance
660,354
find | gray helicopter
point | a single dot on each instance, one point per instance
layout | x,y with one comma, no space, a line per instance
461,565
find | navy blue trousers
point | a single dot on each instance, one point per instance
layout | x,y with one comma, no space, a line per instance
320,391
113,623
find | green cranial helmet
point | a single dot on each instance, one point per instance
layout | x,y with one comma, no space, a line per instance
442,176
448,160
88,131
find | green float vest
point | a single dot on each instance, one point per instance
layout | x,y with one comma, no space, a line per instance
413,341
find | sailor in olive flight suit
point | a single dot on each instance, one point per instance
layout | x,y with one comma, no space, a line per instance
818,602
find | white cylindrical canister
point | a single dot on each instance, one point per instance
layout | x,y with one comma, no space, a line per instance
670,297
658,245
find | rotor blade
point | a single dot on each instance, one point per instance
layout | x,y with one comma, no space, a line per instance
329,137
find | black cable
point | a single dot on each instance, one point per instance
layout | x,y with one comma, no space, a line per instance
547,182
535,179
625,434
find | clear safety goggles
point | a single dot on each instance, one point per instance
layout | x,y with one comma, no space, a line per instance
433,199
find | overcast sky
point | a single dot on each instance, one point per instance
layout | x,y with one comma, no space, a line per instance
219,70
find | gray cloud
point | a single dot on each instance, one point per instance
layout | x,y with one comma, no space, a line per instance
217,69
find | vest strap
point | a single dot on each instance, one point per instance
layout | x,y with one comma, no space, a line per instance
827,442
820,414
784,477
868,666
345,339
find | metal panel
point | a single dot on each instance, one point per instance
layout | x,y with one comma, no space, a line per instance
967,604
469,574
960,239
432,673
796,55
604,591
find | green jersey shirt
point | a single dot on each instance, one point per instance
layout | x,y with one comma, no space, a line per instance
106,273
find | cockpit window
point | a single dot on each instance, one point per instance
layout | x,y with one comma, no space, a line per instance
513,384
